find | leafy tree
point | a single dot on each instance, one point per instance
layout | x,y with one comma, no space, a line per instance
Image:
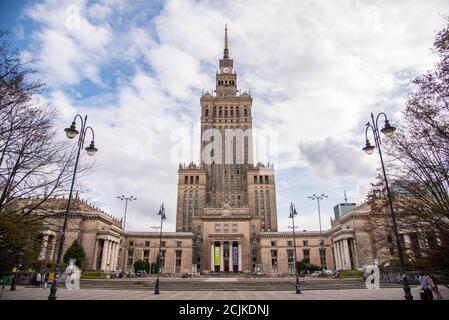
75,251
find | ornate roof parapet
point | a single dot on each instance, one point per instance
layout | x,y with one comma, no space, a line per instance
190,167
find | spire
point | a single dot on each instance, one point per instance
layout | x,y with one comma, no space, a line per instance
226,50
346,198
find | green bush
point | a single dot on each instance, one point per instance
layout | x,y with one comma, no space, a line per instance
94,275
75,251
142,265
351,274
304,266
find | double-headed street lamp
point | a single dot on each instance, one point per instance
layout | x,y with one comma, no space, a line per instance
130,198
163,217
318,198
292,215
388,131
71,133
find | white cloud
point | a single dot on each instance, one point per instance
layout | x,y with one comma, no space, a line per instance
316,70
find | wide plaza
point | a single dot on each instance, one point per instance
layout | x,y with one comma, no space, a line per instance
25,293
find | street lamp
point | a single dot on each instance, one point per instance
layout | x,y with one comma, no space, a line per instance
130,198
318,198
292,215
163,217
388,130
71,133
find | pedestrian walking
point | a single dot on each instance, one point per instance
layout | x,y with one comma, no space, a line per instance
434,287
38,280
45,279
426,292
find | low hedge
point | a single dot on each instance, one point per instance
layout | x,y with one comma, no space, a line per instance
351,274
94,275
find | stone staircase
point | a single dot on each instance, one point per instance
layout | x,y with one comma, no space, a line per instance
217,285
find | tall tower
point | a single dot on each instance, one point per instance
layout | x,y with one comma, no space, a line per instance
226,200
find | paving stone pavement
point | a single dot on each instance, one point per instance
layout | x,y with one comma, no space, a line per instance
23,293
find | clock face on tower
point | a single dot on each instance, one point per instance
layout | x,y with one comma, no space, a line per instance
226,70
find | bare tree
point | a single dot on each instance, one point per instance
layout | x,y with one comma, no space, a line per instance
419,163
35,163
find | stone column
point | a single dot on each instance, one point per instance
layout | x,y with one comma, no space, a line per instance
112,263
231,267
337,257
212,264
346,253
94,260
407,244
43,253
340,255
240,257
221,256
117,248
52,248
104,255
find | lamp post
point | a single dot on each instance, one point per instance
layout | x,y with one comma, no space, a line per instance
292,215
388,131
163,217
155,229
71,133
130,198
318,198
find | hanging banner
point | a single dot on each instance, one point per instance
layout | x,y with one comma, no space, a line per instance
235,256
217,256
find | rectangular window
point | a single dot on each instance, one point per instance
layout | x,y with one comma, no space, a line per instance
147,243
273,243
162,260
217,228
266,180
234,228
197,178
274,261
146,255
225,227
289,243
305,243
130,257
178,244
162,243
131,243
255,180
323,256
306,254
178,261
291,260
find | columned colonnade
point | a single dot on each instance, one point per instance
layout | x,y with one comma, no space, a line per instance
343,250
231,262
106,254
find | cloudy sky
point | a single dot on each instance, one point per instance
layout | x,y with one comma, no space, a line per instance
316,69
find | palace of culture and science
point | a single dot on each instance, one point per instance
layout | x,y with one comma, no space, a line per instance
226,219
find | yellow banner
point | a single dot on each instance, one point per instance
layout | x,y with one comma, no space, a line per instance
217,256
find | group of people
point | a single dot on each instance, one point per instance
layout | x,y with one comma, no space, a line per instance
428,287
38,279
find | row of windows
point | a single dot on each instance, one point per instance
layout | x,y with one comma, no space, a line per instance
305,243
225,227
291,257
191,179
258,179
225,112
226,82
148,244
